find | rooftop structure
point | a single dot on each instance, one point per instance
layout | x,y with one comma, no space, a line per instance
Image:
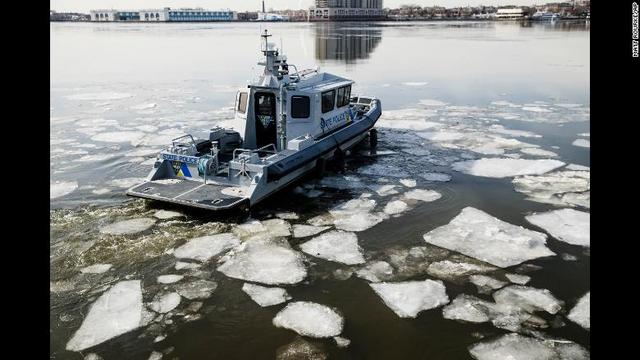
163,15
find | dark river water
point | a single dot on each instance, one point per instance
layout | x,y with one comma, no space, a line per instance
452,93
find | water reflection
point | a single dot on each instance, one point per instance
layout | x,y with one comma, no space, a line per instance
345,42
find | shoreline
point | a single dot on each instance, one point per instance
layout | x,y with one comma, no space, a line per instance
320,21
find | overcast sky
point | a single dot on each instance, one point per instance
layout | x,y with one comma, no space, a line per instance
253,5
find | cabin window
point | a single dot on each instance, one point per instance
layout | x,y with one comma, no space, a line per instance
300,107
242,102
328,100
344,95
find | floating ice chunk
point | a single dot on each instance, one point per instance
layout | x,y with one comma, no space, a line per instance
144,106
479,235
503,167
185,265
536,109
415,83
321,220
577,167
585,134
467,308
117,311
100,96
408,182
528,298
384,190
272,227
395,207
288,215
538,152
307,230
447,269
353,205
561,187
486,283
431,102
581,143
119,136
504,103
383,170
338,246
205,247
376,271
277,227
359,221
518,279
310,319
434,176
568,105
165,214
165,303
169,279
518,347
62,188
198,289
441,136
423,195
519,133
266,296
300,349
568,225
264,262
126,182
93,356
341,342
409,298
130,226
96,269
581,313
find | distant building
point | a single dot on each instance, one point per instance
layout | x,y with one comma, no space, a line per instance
337,10
56,16
510,14
163,15
265,16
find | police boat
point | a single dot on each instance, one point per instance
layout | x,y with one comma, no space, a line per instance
286,124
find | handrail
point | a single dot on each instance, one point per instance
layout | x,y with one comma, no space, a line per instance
250,151
173,141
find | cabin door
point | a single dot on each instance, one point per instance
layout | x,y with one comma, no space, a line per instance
265,112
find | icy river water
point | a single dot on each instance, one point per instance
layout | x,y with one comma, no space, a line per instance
465,236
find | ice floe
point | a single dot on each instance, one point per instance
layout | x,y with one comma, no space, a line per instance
569,188
288,215
355,215
341,342
577,167
568,225
528,298
538,152
486,284
205,247
169,279
581,143
266,296
422,195
165,302
118,136
504,167
181,265
581,313
117,311
126,182
447,269
62,188
537,109
376,271
519,347
384,190
198,289
310,319
415,83
96,269
432,102
338,246
272,227
479,235
408,182
100,96
409,298
518,278
307,230
395,207
434,176
130,226
264,262
166,214
300,349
